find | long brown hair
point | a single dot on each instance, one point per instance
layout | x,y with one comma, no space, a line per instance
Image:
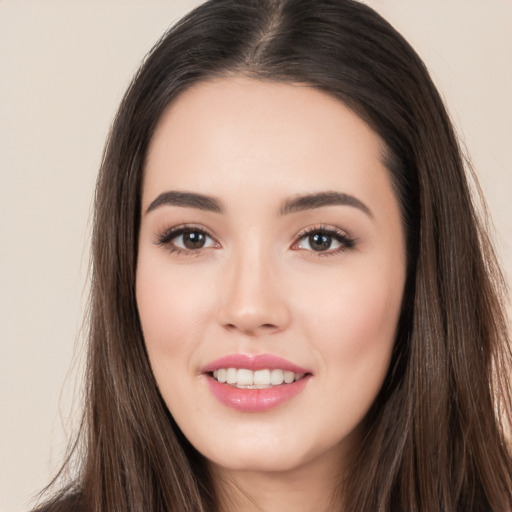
435,437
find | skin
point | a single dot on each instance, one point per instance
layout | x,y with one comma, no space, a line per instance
257,286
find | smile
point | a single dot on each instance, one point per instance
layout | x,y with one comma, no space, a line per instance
255,383
244,378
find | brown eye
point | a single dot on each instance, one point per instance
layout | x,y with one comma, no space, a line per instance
329,241
186,239
193,240
320,241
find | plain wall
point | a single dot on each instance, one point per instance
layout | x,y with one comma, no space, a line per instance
64,66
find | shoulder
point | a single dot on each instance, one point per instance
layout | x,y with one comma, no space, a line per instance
66,503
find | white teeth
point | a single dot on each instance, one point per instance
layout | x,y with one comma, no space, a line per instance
289,377
276,377
221,375
245,377
259,379
231,378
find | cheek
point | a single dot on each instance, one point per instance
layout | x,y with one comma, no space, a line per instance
170,308
356,343
354,328
363,315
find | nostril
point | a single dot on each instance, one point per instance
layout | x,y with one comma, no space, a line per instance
251,330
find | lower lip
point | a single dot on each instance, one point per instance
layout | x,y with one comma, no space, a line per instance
255,400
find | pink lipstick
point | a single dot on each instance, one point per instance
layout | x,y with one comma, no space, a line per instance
254,383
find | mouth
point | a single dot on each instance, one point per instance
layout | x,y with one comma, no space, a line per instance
255,383
244,378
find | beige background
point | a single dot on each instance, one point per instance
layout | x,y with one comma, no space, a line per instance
63,68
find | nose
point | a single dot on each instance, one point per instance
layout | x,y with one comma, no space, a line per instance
252,300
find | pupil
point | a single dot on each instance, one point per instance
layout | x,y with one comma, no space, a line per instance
320,242
193,240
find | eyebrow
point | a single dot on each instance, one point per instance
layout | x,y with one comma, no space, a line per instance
187,200
293,205
321,199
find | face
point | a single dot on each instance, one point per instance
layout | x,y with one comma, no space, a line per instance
270,272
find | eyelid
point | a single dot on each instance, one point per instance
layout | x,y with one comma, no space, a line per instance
346,240
165,236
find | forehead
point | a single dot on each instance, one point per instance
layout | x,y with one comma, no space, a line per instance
238,132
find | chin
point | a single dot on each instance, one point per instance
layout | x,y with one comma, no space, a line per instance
269,453
256,463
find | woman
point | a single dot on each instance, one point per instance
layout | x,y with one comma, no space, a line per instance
293,303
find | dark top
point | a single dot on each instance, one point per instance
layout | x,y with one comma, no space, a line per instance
68,503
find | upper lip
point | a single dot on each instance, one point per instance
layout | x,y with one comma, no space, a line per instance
253,362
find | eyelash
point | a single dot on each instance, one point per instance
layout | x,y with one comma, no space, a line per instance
164,239
346,242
